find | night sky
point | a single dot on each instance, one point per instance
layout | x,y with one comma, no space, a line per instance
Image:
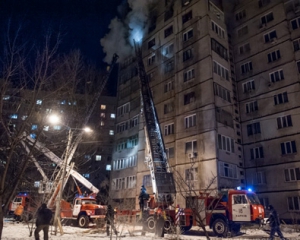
81,22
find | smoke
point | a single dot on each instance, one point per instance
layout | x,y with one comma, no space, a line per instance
121,34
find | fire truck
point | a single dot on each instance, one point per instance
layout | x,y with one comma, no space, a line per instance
229,209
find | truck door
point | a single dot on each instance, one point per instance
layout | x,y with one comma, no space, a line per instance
240,208
77,207
15,203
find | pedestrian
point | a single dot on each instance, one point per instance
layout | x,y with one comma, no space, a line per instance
110,217
43,219
18,212
274,223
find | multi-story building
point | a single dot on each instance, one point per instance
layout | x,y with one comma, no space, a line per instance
187,61
265,52
225,87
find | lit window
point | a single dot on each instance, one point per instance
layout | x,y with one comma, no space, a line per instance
24,117
86,175
32,135
39,102
108,167
36,184
57,127
14,116
103,107
63,102
111,132
34,127
112,115
98,157
102,115
6,97
46,128
102,123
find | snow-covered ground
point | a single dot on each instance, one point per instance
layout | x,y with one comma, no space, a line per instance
14,231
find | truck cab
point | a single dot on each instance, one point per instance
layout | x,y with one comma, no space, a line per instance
23,199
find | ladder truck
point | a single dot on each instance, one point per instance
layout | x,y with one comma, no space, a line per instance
163,183
84,208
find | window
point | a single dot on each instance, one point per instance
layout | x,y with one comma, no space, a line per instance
102,115
251,107
220,70
244,48
56,127
169,66
264,201
242,31
169,129
185,2
169,50
14,116
191,147
227,170
288,147
253,128
240,15
131,182
111,132
102,123
151,43
187,35
186,17
296,45
225,143
187,54
294,203
98,157
295,23
188,75
270,37
292,174
169,86
248,86
112,115
151,60
189,98
168,13
24,117
267,18
259,178
134,121
190,121
46,128
222,92
123,109
103,107
33,135
6,97
191,174
218,30
170,152
168,31
63,102
108,167
121,127
256,153
276,76
281,98
273,56
39,102
147,181
246,67
224,117
262,3
285,121
34,127
168,108
298,66
219,49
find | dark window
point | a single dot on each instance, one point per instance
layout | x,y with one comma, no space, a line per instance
168,31
269,37
273,56
267,18
281,98
186,17
285,121
219,49
288,147
253,128
262,3
151,43
298,66
257,153
188,98
187,54
295,23
296,45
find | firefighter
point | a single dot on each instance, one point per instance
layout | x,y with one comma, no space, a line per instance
142,197
274,223
18,212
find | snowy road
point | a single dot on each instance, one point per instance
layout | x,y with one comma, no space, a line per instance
16,231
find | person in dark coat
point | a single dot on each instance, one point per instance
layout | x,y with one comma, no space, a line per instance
110,216
43,219
142,197
274,223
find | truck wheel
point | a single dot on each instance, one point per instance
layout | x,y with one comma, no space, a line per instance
220,228
83,221
169,226
151,224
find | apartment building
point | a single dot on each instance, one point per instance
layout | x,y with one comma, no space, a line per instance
187,61
265,52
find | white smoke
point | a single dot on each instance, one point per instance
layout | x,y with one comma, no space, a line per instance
120,37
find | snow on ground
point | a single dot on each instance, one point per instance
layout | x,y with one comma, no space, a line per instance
15,231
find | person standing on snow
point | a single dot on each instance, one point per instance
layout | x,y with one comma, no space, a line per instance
44,216
274,223
18,212
110,217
